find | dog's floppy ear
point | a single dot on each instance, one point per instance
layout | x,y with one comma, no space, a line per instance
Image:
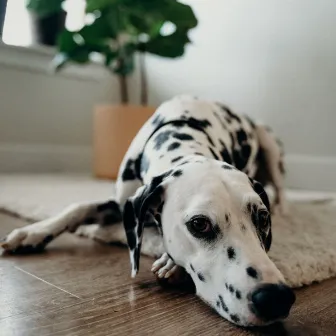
259,189
144,207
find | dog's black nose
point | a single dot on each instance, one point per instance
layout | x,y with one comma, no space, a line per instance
272,302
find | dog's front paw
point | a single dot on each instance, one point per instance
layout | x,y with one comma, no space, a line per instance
164,267
31,238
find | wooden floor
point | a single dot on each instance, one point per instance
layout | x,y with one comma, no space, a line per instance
79,287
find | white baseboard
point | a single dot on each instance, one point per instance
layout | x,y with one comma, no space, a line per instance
311,172
18,158
303,172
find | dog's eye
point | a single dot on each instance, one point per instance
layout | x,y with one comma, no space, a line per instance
200,224
201,227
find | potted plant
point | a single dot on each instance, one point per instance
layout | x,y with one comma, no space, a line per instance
3,7
48,20
119,31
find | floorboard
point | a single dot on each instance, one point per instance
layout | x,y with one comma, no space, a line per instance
80,287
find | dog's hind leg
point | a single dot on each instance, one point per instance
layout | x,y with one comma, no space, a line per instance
36,236
273,157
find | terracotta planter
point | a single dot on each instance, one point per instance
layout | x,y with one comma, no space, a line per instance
114,129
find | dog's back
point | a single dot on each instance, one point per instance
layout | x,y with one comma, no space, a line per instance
186,125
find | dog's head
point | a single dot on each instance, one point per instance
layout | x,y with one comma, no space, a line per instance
216,224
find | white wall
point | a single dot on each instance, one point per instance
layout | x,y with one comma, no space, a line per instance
46,118
274,60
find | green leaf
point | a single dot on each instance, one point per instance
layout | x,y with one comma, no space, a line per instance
171,46
180,14
116,31
93,5
66,42
109,58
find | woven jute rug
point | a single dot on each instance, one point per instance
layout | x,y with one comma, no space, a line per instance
304,243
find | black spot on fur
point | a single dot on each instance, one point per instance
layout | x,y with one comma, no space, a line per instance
176,159
177,173
158,120
170,257
226,285
234,318
201,277
246,152
241,136
131,239
231,288
250,121
111,213
218,304
220,120
237,159
225,155
228,218
198,153
238,294
144,164
213,153
192,267
197,124
210,140
128,173
108,206
227,167
109,219
183,163
161,138
231,253
47,239
252,272
173,146
183,136
224,306
229,114
90,220
201,123
216,230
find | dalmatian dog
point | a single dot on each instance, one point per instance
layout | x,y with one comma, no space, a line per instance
190,192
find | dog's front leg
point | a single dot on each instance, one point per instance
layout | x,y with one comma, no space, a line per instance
36,236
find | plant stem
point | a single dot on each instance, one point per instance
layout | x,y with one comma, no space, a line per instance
143,80
123,89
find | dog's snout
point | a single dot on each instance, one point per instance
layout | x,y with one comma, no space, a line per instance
272,302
